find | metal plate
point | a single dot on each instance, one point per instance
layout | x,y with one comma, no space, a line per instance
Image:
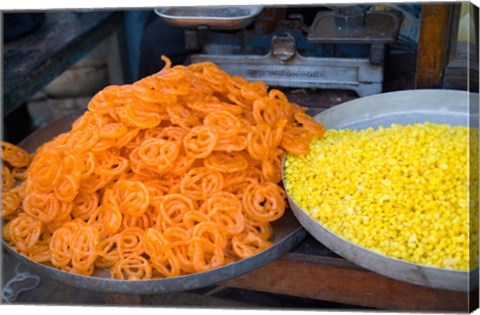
288,233
213,17
380,27
406,107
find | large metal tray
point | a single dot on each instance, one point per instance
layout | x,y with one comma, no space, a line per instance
287,234
405,107
213,17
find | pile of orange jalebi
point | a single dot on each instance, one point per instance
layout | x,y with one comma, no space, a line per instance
174,174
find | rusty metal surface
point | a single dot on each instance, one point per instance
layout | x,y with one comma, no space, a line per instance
405,107
288,233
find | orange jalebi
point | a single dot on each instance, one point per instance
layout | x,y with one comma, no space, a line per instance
201,182
132,267
200,141
10,203
174,174
8,180
13,155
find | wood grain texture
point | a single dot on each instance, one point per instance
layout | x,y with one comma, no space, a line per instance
433,45
348,285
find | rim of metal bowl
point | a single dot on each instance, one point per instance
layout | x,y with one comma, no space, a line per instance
288,233
102,283
455,280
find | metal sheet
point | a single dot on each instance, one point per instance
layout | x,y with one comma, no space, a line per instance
378,27
287,234
406,107
357,74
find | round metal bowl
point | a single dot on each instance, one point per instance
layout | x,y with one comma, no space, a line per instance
406,107
287,234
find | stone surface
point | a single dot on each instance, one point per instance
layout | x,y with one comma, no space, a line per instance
78,82
85,77
60,107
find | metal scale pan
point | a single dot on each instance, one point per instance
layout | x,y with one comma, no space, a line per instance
213,17
405,107
287,234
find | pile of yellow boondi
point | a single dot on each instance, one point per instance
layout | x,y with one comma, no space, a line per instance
401,191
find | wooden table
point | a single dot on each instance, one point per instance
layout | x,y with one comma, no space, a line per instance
32,61
313,271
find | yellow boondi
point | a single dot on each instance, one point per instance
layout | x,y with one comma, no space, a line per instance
401,191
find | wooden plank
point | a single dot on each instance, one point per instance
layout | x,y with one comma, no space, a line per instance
354,286
433,45
31,62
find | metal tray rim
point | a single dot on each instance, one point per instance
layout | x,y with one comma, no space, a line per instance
254,11
161,285
380,254
463,280
290,236
319,232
